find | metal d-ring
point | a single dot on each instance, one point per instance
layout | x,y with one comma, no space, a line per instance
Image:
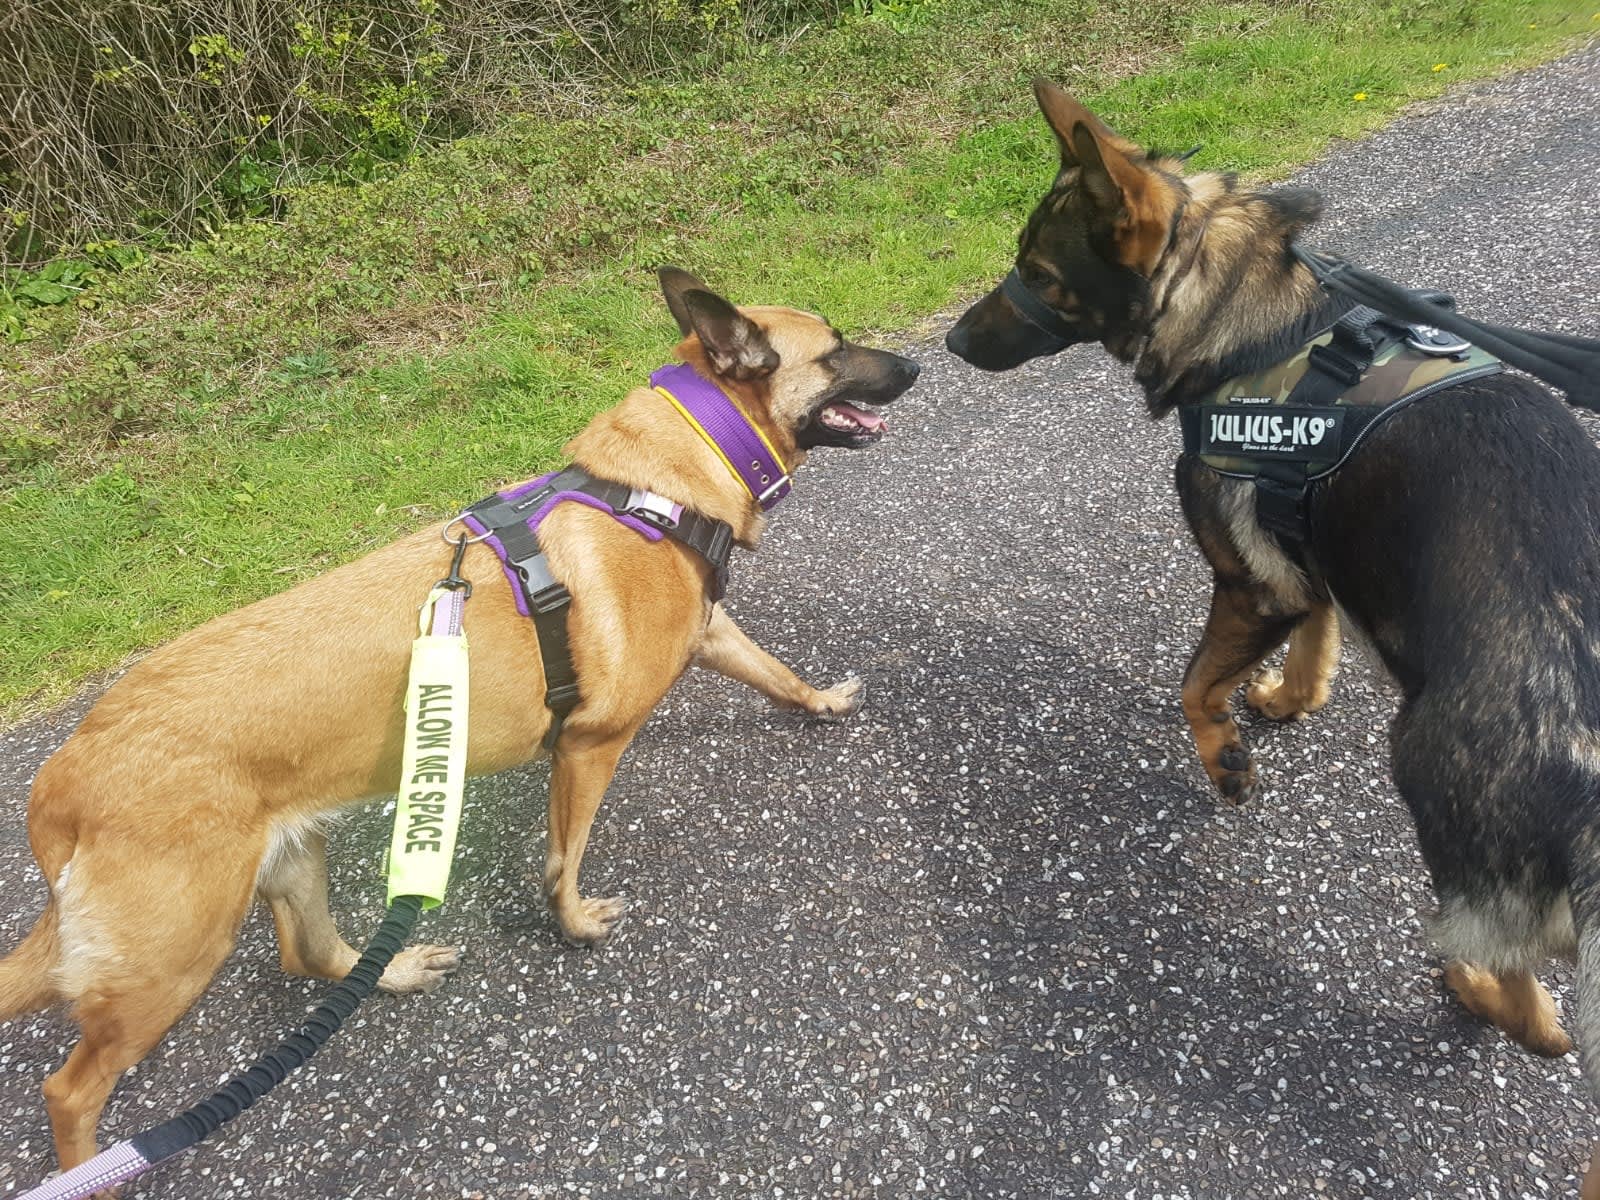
451,523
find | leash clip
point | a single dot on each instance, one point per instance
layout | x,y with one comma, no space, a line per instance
453,582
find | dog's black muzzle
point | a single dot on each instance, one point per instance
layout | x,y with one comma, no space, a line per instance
1008,327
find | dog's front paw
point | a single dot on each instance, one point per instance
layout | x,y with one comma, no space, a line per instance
591,922
1235,775
839,701
420,968
1270,696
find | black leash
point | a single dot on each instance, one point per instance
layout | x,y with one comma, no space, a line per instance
201,1120
1564,361
129,1159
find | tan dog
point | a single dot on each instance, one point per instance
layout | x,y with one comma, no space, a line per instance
204,776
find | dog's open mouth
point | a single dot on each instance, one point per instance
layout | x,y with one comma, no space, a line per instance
845,424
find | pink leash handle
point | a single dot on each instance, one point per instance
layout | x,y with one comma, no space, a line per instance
118,1164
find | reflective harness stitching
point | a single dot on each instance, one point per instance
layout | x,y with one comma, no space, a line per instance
509,521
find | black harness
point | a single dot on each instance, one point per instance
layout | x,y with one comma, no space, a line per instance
1299,420
1285,440
509,522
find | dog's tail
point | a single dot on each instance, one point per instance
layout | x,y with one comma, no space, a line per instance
25,973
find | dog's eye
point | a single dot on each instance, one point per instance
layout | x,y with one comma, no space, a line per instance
1036,278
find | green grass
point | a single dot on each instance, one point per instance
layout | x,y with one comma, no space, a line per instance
237,416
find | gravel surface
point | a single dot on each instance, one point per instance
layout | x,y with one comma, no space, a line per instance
992,937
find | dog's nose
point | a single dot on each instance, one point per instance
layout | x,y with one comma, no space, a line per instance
956,341
910,368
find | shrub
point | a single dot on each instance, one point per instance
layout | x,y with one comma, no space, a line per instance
124,117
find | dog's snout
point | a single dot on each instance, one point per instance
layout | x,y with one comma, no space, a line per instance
956,341
910,368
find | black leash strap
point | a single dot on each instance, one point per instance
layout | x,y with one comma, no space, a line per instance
1564,361
130,1159
244,1089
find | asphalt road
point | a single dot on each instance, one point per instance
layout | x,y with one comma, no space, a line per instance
992,937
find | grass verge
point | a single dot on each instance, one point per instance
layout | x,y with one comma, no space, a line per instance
242,414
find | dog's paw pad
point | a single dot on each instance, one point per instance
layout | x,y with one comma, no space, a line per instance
592,925
841,700
1238,782
1269,696
1234,759
420,969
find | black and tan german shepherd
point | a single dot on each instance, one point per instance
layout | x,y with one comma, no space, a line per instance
1463,541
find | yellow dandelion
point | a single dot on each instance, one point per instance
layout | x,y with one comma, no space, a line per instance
1359,96
1437,67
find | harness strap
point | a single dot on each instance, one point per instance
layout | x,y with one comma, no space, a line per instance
1336,366
547,600
509,522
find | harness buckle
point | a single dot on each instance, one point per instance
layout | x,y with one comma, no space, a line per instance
1436,342
545,592
653,509
1332,361
561,697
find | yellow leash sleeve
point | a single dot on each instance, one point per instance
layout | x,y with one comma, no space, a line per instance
433,772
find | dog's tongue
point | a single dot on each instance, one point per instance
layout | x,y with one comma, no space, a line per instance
867,420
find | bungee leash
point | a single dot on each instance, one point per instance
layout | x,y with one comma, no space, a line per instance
427,815
1565,361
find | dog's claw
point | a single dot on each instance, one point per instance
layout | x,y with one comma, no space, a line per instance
594,922
841,700
1238,788
1235,776
420,969
1266,695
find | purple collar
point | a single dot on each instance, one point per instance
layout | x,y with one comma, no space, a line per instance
742,447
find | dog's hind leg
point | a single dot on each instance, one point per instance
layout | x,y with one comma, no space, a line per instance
137,946
579,775
1301,687
1243,628
1513,1000
294,882
728,650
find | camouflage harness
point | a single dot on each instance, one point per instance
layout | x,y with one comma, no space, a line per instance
1300,420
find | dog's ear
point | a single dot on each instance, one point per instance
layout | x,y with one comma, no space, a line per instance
1297,209
1064,114
674,283
1133,199
734,343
